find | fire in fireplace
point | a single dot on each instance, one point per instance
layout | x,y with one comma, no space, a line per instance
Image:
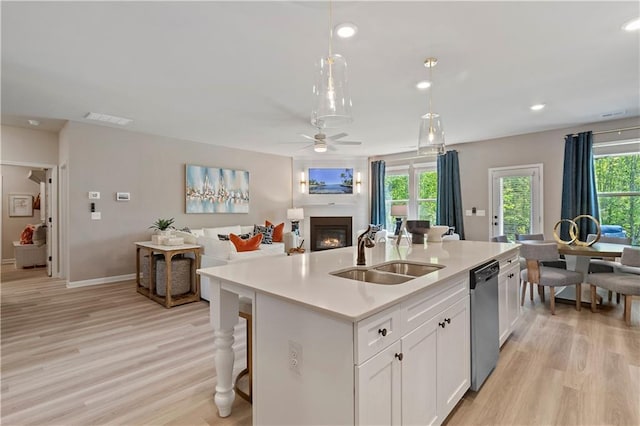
330,232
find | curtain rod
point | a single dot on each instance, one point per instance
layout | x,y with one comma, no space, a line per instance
612,131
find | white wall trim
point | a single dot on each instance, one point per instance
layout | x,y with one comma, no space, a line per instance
28,164
8,261
104,280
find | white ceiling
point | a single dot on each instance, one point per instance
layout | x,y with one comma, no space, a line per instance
240,73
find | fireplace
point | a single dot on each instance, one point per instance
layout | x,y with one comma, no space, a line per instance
330,232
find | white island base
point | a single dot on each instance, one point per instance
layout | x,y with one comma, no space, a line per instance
337,351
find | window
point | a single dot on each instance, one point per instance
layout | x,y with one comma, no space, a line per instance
618,186
415,186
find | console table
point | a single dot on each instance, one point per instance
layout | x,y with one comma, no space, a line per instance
169,252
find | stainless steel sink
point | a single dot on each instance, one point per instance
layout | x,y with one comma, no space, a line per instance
389,273
408,268
372,276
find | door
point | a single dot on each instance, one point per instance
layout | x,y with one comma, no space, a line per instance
419,376
379,387
454,374
516,200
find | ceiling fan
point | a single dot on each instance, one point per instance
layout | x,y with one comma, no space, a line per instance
322,142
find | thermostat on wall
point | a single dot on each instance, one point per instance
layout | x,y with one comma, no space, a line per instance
123,196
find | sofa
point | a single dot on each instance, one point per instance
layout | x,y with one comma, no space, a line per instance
217,252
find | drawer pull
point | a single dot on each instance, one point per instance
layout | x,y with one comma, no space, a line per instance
399,356
382,331
442,324
448,320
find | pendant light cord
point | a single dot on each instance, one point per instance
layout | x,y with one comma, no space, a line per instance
330,28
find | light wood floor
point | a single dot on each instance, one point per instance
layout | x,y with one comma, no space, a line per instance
106,355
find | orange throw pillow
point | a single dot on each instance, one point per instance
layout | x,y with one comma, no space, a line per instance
277,231
246,245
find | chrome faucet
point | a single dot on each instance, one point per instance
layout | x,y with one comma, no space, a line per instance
364,240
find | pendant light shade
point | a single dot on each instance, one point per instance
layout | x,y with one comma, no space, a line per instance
331,100
332,103
431,136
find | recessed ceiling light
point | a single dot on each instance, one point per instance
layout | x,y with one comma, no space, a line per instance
537,107
34,122
423,84
633,25
346,30
112,119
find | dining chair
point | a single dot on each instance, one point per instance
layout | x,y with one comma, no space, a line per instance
499,239
545,276
625,280
606,264
523,237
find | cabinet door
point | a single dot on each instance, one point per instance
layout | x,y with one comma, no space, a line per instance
378,388
513,296
419,375
503,308
454,375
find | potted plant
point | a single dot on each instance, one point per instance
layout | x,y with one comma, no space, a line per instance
163,229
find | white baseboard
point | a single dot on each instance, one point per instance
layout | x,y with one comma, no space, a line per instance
8,261
98,281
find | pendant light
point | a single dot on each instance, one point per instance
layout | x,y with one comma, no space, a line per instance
331,100
431,137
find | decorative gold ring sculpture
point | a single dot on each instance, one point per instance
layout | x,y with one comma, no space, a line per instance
572,231
598,230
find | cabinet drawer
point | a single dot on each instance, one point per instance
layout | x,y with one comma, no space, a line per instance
376,333
420,309
508,261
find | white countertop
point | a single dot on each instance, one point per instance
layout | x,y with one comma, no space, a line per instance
305,278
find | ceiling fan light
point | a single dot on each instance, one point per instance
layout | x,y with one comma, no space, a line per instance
331,100
320,147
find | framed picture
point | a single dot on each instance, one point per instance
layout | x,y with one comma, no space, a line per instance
216,190
20,205
330,181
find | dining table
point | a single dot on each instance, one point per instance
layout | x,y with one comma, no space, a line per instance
578,258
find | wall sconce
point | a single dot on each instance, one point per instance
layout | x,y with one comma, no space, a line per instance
358,182
303,183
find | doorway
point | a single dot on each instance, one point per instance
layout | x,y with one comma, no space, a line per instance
48,216
515,194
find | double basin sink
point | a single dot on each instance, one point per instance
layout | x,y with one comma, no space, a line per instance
390,273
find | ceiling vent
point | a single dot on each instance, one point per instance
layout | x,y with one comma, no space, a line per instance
613,114
111,119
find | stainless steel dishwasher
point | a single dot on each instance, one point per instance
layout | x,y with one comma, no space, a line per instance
485,339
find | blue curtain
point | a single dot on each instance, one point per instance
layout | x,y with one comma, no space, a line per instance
378,213
449,201
579,194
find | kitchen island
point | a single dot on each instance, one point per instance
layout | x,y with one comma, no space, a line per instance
331,350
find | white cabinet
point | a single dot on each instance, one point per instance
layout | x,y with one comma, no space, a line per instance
508,296
420,377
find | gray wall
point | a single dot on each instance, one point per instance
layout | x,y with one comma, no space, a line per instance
21,145
152,169
543,147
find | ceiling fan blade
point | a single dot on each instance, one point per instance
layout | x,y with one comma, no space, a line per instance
337,136
305,147
347,143
331,148
311,138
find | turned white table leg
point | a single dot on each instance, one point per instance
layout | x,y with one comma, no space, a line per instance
223,313
225,395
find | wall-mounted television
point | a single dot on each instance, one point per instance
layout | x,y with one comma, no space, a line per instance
330,181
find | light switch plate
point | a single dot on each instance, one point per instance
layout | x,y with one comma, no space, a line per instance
94,195
468,212
480,212
96,216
